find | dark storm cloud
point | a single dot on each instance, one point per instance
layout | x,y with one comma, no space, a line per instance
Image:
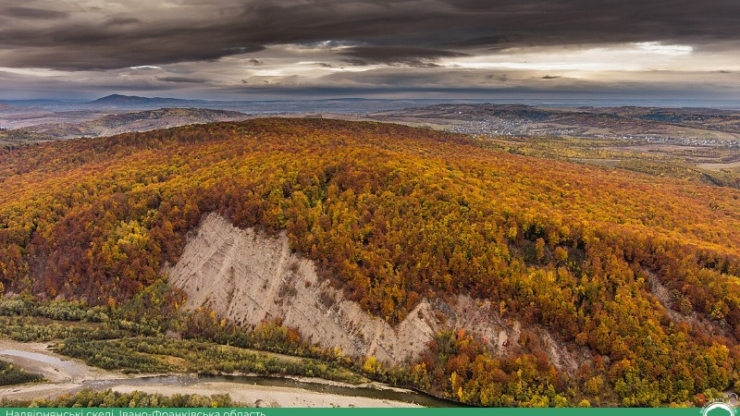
114,46
183,80
121,21
420,57
428,23
482,41
31,13
393,31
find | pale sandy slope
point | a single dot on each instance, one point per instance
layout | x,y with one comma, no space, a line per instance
248,277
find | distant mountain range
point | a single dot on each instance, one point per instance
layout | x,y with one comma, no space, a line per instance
135,121
118,100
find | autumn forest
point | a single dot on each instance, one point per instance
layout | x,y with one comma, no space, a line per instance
639,272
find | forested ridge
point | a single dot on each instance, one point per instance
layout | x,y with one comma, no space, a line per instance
393,215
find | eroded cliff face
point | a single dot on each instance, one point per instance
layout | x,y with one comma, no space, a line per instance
248,277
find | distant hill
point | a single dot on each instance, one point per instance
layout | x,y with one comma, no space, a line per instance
135,121
119,100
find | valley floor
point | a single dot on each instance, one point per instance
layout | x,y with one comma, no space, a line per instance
66,375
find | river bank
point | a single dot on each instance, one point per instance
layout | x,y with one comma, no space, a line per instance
66,375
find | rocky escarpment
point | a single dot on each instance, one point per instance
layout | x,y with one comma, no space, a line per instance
248,277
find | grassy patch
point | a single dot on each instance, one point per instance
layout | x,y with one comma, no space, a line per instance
160,354
109,398
10,374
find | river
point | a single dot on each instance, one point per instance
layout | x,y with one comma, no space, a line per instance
67,375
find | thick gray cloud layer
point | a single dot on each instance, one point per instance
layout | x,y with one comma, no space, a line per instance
91,37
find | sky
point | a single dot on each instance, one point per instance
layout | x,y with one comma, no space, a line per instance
294,49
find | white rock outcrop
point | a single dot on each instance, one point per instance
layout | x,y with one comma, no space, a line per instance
248,277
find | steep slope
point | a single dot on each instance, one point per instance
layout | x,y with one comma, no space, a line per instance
399,220
248,278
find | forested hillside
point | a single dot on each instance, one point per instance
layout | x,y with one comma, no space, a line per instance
641,271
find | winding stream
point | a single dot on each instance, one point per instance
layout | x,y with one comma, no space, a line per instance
68,375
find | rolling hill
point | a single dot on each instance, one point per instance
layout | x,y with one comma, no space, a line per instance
134,121
118,100
528,281
686,126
